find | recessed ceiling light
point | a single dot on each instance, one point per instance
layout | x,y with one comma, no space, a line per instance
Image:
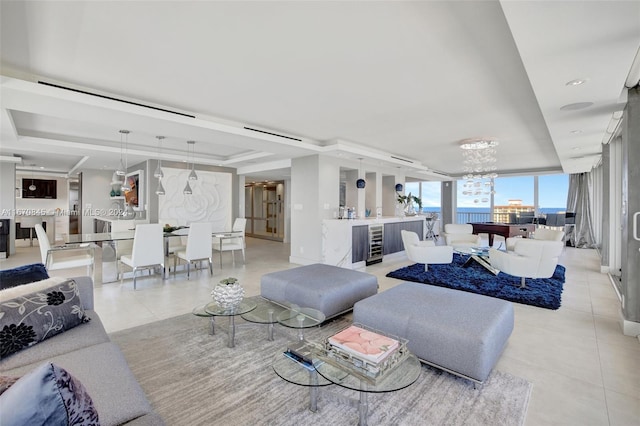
576,82
577,148
576,132
576,106
41,167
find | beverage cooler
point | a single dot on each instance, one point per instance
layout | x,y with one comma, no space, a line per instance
5,227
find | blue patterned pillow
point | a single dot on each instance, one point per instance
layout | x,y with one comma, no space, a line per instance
34,317
22,275
49,396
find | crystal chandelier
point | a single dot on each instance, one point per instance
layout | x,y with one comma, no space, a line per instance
479,159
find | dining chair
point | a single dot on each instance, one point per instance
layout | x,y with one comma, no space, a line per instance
147,252
64,257
30,222
198,247
231,244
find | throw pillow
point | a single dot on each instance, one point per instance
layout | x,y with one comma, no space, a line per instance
49,396
34,317
22,275
21,290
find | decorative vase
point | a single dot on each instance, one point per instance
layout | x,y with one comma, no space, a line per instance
409,210
228,296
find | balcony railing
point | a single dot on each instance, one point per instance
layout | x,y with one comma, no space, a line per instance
472,217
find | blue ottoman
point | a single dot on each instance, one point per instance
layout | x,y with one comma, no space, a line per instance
459,332
330,289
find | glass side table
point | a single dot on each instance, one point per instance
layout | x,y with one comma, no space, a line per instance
214,310
266,312
300,318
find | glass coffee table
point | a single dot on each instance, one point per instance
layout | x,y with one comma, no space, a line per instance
300,318
215,310
321,374
266,312
479,255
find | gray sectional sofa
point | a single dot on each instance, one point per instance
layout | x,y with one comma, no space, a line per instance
86,352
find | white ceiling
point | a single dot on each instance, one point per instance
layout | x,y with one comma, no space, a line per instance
372,80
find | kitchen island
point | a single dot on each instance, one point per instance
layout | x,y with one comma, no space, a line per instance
352,243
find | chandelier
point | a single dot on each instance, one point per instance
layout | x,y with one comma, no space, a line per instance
479,159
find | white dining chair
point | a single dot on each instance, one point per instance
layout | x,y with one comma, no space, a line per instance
65,257
198,247
147,252
232,243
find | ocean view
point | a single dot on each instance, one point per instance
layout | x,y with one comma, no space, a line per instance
543,210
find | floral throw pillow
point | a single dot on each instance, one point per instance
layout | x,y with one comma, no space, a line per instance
34,317
48,396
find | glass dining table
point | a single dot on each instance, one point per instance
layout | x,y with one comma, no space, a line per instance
108,256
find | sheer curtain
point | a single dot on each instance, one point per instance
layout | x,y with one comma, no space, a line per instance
578,202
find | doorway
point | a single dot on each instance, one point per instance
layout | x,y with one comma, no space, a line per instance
264,210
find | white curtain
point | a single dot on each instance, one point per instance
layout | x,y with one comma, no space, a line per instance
578,202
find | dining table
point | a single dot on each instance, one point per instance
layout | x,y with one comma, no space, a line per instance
108,242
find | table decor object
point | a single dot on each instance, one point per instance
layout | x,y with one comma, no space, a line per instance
228,293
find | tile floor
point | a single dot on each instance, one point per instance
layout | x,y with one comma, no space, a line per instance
584,371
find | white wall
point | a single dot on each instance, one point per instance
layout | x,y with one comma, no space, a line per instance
315,184
96,186
8,200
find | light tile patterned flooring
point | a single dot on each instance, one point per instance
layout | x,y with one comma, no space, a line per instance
584,371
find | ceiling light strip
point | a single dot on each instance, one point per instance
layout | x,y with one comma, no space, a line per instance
272,134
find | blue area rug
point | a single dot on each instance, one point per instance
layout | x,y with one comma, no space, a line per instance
544,293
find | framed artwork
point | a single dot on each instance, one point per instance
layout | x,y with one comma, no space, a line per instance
135,197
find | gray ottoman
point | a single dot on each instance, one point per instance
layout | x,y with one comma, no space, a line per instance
329,289
457,331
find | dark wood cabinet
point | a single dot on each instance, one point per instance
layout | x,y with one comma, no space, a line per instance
392,237
359,243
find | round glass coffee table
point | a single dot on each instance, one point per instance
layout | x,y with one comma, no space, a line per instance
300,318
266,312
215,310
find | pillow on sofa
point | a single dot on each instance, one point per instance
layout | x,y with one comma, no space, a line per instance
22,275
21,290
31,318
48,395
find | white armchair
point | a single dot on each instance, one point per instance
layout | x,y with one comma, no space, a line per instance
461,235
425,251
530,258
543,234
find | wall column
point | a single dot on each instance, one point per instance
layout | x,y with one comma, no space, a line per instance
631,208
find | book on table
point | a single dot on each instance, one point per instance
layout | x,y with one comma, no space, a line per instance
365,344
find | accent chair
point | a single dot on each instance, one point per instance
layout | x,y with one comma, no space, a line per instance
542,234
461,235
425,251
529,259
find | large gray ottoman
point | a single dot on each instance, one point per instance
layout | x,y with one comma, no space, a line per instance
463,333
330,289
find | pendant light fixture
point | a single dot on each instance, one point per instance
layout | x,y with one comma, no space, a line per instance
32,187
159,173
193,175
124,134
360,183
121,170
187,189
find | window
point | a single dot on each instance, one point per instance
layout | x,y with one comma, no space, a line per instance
552,193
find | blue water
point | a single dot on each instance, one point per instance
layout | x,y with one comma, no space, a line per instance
544,210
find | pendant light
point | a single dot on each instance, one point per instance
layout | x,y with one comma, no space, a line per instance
125,185
32,187
187,189
193,175
121,170
360,183
158,173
